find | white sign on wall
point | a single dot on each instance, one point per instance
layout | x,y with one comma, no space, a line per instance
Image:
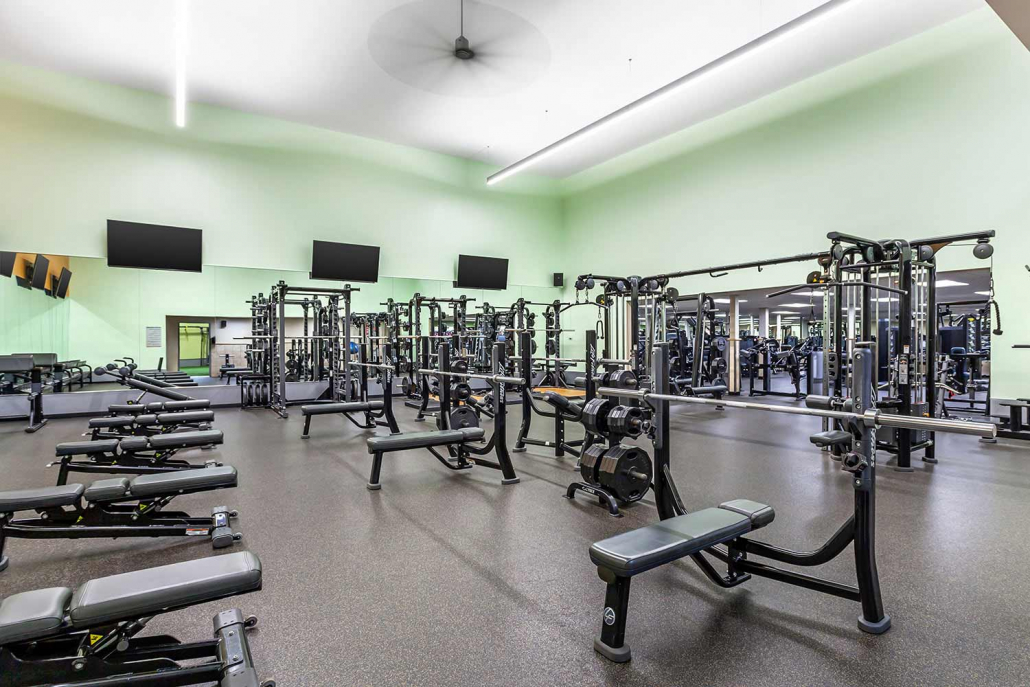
154,337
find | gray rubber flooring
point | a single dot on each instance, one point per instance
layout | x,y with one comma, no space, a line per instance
453,579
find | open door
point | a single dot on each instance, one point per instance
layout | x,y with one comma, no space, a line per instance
195,348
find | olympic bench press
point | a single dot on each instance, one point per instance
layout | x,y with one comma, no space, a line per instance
137,455
377,413
87,637
119,507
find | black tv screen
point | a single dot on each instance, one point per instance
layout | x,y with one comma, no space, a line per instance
475,272
7,263
153,246
344,261
40,268
62,283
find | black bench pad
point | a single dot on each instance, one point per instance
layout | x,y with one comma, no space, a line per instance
834,437
143,593
127,408
180,418
107,489
44,497
34,614
403,442
112,422
201,479
173,406
637,551
175,440
86,448
332,408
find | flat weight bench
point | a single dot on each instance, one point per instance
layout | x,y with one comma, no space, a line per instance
344,409
118,507
621,557
377,446
87,636
1016,413
137,455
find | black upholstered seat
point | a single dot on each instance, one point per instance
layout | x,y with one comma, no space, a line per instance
34,614
349,407
175,440
43,497
403,442
86,448
201,479
639,550
127,408
834,437
111,422
107,489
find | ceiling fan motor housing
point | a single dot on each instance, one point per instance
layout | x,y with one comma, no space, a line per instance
462,50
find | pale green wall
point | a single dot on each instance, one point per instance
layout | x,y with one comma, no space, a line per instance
938,148
32,322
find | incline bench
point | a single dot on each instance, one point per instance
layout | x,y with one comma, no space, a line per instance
621,557
87,636
377,446
112,508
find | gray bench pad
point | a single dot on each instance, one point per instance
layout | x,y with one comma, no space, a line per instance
403,442
331,408
834,437
637,551
44,497
146,592
201,479
34,614
166,441
86,448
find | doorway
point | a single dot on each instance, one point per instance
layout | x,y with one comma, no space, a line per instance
195,348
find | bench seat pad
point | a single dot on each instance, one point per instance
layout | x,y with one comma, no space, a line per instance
127,408
172,406
178,418
175,440
109,422
403,442
332,408
146,592
642,549
107,489
834,437
86,448
31,615
42,497
200,479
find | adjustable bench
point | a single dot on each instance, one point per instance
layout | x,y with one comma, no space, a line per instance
87,636
150,424
621,557
345,409
137,455
456,438
119,507
159,407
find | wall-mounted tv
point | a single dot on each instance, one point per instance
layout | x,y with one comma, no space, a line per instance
344,261
7,263
63,282
476,272
40,268
153,246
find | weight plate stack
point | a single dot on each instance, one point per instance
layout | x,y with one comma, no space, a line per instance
590,462
463,417
462,392
595,415
626,472
622,379
626,421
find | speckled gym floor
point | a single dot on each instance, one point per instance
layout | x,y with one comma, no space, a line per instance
453,579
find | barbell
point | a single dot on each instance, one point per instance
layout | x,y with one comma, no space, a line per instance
495,379
871,417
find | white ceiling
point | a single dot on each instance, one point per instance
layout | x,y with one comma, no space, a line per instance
553,67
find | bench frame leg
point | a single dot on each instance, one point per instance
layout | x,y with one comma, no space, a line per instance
307,427
612,642
377,466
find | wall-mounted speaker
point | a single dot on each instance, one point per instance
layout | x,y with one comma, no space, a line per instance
221,325
7,263
559,279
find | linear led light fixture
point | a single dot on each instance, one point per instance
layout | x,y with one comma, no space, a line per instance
944,283
670,88
182,15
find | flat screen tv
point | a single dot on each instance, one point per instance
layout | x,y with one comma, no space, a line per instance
40,268
344,261
476,272
153,246
63,282
7,263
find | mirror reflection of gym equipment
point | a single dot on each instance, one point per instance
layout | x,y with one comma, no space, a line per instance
195,348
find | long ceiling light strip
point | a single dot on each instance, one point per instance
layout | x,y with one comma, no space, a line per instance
668,89
182,9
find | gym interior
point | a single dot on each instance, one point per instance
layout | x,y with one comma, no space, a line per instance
482,342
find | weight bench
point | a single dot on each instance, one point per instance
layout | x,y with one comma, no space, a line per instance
1016,414
88,637
235,373
147,425
119,507
139,455
621,557
158,407
455,438
345,409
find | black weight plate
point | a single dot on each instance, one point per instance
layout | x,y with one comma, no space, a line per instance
590,461
463,417
595,415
